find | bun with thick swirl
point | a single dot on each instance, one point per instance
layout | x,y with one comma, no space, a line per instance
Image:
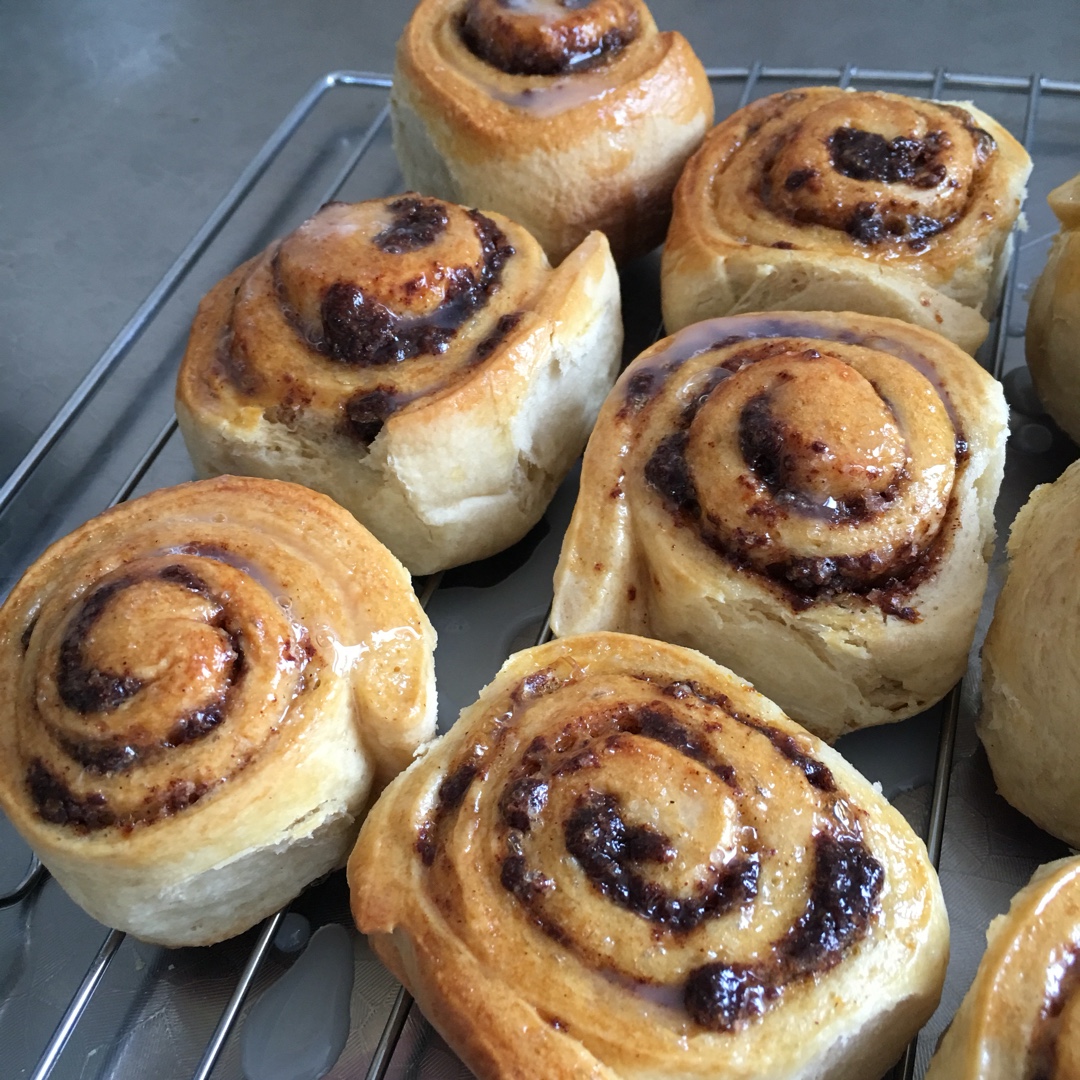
565,116
806,497
622,861
835,200
1030,677
199,690
1021,1018
420,363
1052,341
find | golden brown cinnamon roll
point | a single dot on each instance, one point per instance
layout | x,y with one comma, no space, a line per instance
622,861
1021,1018
419,362
198,691
1053,327
565,115
805,497
1031,681
835,200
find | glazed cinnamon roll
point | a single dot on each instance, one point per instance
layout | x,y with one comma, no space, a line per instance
1021,1018
565,115
419,362
622,861
1052,341
835,200
1030,678
199,691
806,497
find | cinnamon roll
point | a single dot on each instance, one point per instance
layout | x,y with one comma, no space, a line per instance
622,861
565,115
806,497
1052,341
420,363
1030,678
835,200
1021,1018
199,691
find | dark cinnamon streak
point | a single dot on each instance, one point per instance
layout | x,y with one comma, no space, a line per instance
764,440
1042,1058
866,155
844,894
818,775
56,803
608,849
89,690
367,411
763,444
557,49
360,331
416,224
614,852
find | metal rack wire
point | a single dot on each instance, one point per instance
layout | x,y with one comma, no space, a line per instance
933,84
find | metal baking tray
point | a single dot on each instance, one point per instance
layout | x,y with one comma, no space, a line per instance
80,1001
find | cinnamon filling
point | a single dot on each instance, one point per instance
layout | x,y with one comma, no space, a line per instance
358,330
776,433
844,895
617,851
547,37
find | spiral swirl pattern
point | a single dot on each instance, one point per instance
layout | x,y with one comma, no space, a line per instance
548,37
893,205
162,663
812,464
697,868
565,115
328,359
1021,1016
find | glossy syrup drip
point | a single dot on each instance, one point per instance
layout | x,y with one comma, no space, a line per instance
541,37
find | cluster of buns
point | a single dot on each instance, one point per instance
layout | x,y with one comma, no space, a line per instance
623,858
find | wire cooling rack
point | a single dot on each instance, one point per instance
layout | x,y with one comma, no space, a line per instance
79,1000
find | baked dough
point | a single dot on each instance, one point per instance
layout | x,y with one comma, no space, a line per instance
806,497
420,363
199,691
623,862
839,200
1021,1017
1031,681
564,117
1053,327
